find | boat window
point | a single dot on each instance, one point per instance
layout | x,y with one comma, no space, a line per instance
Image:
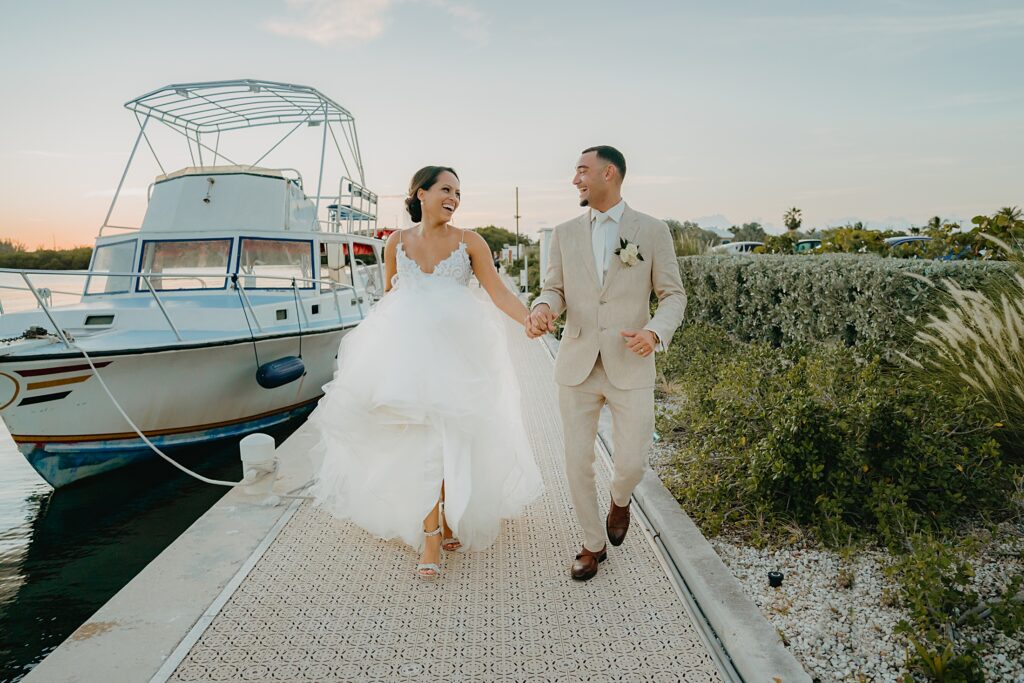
118,257
336,266
195,264
271,263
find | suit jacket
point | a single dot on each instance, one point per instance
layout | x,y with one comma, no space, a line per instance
596,314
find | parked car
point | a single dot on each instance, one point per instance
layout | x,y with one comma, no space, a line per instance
807,245
906,239
737,247
918,246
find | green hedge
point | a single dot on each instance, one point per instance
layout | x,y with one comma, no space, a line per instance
860,300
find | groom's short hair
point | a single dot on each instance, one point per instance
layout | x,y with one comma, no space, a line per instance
611,155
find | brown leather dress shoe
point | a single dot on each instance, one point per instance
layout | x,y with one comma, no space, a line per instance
585,566
617,523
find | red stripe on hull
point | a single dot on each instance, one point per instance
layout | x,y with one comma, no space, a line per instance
64,368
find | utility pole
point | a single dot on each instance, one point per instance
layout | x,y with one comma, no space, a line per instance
517,221
523,276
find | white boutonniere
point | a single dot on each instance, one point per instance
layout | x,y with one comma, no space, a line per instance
628,252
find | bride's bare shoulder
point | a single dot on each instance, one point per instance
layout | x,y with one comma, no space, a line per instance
471,237
475,243
393,239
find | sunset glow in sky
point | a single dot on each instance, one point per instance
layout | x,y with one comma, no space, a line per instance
883,111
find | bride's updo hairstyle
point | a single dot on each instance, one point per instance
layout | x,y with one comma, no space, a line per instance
424,179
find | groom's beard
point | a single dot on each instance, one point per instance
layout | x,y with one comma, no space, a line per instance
584,202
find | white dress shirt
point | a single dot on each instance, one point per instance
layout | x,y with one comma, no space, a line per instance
604,236
604,239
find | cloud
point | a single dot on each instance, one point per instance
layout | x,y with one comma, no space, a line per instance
472,23
331,21
327,22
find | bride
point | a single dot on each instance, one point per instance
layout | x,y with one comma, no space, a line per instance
421,429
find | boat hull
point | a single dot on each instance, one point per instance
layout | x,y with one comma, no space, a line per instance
68,429
66,463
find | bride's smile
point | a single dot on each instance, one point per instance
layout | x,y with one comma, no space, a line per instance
441,200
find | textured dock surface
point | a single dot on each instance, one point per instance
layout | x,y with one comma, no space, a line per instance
327,601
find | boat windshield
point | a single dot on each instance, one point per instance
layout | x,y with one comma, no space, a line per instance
196,264
115,257
275,258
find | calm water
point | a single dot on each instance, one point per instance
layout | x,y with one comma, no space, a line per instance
64,289
64,553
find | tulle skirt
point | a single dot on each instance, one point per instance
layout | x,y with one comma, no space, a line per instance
423,392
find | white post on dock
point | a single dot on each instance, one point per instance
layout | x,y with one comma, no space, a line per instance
259,463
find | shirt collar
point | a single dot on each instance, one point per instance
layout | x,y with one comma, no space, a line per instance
614,213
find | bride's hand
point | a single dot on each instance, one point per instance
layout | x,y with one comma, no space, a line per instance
532,330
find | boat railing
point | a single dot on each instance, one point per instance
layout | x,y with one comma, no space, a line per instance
352,211
42,294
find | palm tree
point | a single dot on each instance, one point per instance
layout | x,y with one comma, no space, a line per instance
934,223
793,219
1012,213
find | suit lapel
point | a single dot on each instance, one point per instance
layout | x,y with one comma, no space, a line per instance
585,247
628,228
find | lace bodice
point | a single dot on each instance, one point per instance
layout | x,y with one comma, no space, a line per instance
455,266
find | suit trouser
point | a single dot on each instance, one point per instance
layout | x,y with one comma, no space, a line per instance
632,431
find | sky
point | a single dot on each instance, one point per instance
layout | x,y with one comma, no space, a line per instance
885,111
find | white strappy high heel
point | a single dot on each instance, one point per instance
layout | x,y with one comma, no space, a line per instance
434,567
452,543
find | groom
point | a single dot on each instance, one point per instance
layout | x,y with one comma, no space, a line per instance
601,271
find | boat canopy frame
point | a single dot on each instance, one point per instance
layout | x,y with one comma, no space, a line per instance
214,107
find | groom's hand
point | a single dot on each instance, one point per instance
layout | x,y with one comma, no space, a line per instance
541,320
640,342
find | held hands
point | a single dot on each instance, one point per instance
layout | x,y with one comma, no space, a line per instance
539,322
640,342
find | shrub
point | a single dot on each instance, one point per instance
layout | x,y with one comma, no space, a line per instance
825,439
860,301
941,602
935,591
689,244
977,342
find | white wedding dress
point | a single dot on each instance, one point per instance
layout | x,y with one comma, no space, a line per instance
424,392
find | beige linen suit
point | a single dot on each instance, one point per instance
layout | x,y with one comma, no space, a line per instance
594,366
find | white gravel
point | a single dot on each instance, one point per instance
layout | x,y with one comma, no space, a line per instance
838,633
841,631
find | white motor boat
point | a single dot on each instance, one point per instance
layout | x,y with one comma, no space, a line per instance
220,315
